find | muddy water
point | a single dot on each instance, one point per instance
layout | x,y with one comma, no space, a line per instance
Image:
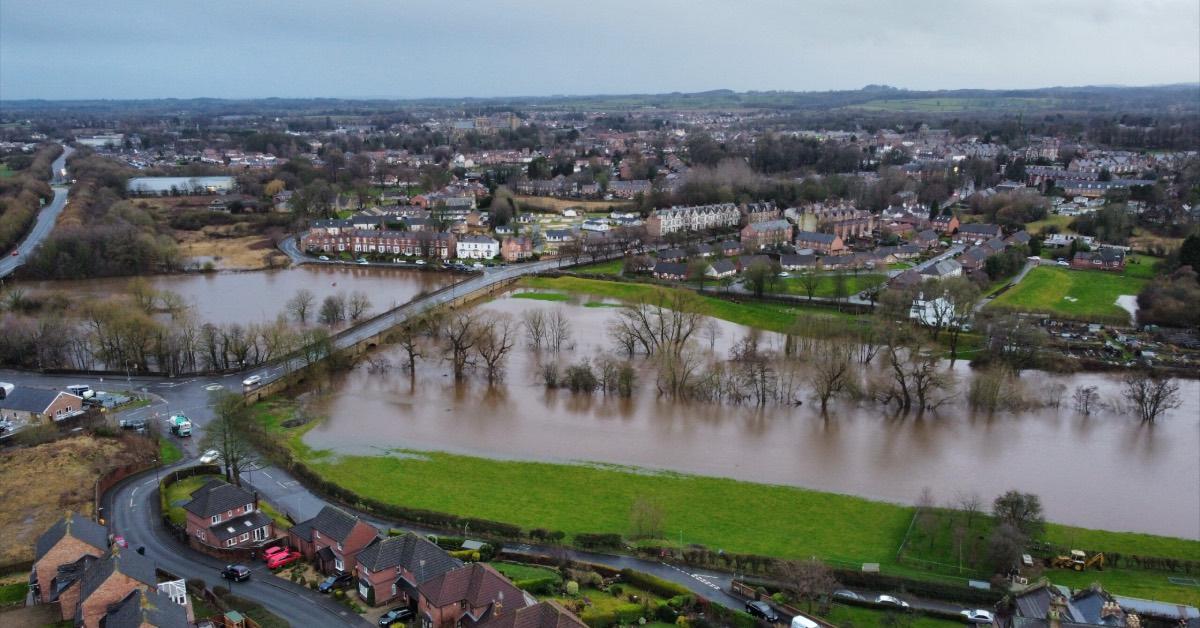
260,296
1106,471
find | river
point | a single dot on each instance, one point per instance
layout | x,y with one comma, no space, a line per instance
1105,471
261,296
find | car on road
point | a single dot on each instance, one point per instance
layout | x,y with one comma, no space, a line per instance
763,610
236,573
1062,262
252,381
396,615
800,621
120,541
16,253
362,261
210,456
324,258
887,600
137,425
847,594
277,557
978,616
420,262
340,580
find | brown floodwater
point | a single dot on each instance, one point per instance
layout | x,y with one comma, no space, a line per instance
1105,471
260,296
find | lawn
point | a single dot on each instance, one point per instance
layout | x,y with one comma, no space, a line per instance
180,492
1057,220
518,571
826,285
5,172
13,593
1088,295
168,451
542,296
861,617
600,603
611,267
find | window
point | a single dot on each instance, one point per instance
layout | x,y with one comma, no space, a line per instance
248,508
230,542
260,534
393,588
316,535
216,519
338,564
245,537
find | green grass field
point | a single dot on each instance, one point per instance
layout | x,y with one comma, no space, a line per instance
1057,220
168,451
859,617
13,593
519,571
5,171
542,296
611,267
1088,295
827,284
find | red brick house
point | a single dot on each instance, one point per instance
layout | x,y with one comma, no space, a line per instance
823,243
332,539
225,516
542,615
58,553
358,241
390,569
759,235
105,582
37,405
1104,259
516,249
945,224
468,596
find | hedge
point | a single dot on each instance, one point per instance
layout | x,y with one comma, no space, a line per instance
545,585
624,614
654,584
604,540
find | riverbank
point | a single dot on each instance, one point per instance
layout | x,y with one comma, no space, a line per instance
730,515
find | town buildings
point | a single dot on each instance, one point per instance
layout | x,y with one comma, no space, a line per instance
760,235
693,218
477,247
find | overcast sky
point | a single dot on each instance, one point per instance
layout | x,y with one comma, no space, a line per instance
418,48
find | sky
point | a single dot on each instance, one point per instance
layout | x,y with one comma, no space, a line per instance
74,49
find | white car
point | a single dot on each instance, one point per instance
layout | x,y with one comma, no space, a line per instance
210,456
324,258
978,616
253,380
785,274
420,262
1063,262
891,601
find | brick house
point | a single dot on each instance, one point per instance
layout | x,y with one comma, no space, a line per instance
431,244
468,596
1104,259
516,249
926,239
59,550
542,615
758,235
147,609
332,539
37,405
974,258
945,224
760,212
823,243
225,516
977,233
105,582
390,569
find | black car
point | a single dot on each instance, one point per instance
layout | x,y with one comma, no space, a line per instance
137,425
237,573
339,580
395,615
763,610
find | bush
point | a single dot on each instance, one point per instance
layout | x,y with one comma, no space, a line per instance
572,588
654,584
598,541
545,585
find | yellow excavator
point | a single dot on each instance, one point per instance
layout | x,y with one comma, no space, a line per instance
1079,561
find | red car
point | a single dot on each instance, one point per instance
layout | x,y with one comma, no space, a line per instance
277,557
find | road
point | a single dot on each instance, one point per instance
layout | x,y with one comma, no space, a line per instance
46,218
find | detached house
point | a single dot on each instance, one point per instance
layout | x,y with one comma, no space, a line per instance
672,271
147,609
468,596
333,539
945,224
720,269
1104,259
105,583
516,249
59,554
541,615
221,515
35,405
823,243
389,570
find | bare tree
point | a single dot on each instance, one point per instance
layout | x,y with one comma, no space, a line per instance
809,279
646,518
460,333
831,371
712,331
927,519
496,338
358,304
1151,394
914,376
811,579
333,309
408,336
969,504
301,304
558,331
225,434
1085,398
534,322
664,326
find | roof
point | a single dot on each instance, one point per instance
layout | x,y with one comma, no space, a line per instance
333,522
216,497
130,564
416,555
70,573
544,615
980,228
668,268
723,266
1105,254
477,584
75,526
146,608
797,261
943,268
239,525
24,399
812,236
769,225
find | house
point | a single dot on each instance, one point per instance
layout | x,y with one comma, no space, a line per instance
760,212
759,235
823,243
746,261
105,582
1044,605
1065,239
359,241
974,258
147,609
943,269
332,539
468,596
477,247
672,255
842,220
671,271
947,224
729,248
705,250
976,233
693,218
221,515
555,238
516,249
720,269
1106,258
1020,238
797,262
926,239
542,615
63,545
390,569
908,279
35,405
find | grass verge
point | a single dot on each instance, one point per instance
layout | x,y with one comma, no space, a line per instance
168,451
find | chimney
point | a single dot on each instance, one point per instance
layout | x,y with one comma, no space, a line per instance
1058,607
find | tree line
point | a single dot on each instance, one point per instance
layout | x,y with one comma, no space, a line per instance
22,193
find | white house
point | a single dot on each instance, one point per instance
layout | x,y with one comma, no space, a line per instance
596,224
477,247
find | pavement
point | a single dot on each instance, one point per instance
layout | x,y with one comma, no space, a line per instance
46,218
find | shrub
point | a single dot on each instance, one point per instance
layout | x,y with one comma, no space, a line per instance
654,584
598,541
538,586
572,588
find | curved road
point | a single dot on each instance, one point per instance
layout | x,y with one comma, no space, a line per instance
46,218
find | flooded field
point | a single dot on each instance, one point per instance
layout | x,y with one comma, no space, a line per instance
1105,471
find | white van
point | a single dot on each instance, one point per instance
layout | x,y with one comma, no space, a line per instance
800,621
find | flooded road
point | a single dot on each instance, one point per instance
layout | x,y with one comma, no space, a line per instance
260,296
1108,471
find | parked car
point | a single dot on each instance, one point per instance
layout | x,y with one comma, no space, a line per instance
277,557
210,456
799,621
763,610
362,261
978,616
324,258
395,615
16,253
251,381
420,262
1063,262
340,580
236,573
888,600
137,425
5,425
847,594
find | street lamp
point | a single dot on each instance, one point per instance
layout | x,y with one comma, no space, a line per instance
128,377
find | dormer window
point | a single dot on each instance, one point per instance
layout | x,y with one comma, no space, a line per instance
249,508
